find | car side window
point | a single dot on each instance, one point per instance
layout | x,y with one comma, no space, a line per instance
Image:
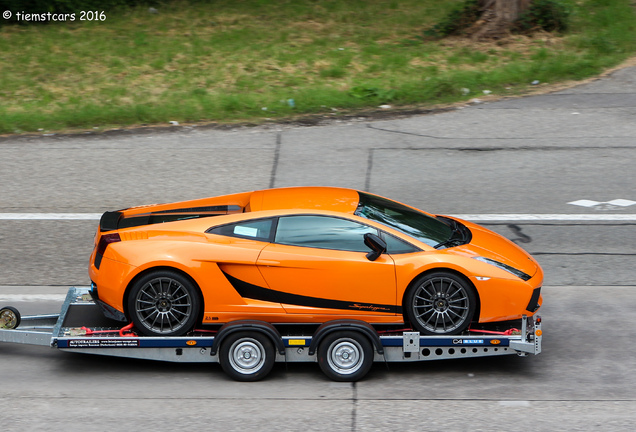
395,245
322,232
259,229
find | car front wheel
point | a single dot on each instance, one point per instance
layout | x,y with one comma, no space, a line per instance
440,303
163,303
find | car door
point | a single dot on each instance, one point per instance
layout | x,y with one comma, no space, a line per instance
317,264
236,247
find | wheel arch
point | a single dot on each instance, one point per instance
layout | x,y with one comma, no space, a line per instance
360,327
148,270
262,327
455,272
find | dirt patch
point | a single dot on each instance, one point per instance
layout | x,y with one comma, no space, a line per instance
518,43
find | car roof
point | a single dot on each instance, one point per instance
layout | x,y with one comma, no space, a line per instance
330,199
310,198
305,197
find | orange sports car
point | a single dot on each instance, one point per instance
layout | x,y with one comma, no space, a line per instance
306,255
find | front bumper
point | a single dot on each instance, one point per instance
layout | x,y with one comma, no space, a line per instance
534,304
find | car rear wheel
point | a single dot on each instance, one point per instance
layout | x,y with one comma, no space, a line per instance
345,356
163,303
440,303
247,356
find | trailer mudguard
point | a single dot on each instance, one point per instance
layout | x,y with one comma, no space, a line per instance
263,327
345,324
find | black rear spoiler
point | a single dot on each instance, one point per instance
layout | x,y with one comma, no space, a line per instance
114,220
109,221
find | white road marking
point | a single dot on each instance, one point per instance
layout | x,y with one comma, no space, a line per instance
470,217
515,403
50,216
6,298
584,203
546,217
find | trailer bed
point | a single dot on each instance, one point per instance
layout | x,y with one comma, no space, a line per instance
81,327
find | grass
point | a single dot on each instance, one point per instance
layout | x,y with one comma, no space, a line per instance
255,59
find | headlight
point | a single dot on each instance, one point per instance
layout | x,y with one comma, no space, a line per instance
506,267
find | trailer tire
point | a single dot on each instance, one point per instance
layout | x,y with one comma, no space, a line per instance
247,356
164,303
345,355
9,318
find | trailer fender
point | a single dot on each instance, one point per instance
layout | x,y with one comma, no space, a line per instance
345,324
248,325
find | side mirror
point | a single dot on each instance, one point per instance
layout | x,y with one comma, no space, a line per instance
376,244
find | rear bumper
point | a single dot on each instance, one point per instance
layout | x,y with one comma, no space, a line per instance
108,311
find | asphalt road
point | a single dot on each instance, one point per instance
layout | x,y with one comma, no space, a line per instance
514,160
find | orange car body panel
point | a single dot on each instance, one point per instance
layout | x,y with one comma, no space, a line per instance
336,275
368,290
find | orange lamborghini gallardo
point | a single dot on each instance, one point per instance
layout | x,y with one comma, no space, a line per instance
306,255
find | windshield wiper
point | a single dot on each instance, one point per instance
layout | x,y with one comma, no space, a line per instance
460,235
449,243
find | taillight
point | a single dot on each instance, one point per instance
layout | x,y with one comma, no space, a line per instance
104,241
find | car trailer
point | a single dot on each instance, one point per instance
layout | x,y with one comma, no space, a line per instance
247,349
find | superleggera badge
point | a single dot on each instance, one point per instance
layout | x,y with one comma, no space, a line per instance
369,307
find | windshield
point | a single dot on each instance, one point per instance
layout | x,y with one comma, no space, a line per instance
418,225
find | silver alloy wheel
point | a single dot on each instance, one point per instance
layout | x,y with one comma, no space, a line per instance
345,356
163,305
441,305
247,356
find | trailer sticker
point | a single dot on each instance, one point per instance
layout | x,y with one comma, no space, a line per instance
470,341
103,343
436,341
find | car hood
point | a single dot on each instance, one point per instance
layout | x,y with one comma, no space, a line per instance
491,245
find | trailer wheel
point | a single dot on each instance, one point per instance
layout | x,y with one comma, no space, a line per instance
163,303
247,356
440,303
345,356
9,318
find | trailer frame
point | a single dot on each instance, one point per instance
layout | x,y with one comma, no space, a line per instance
80,327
